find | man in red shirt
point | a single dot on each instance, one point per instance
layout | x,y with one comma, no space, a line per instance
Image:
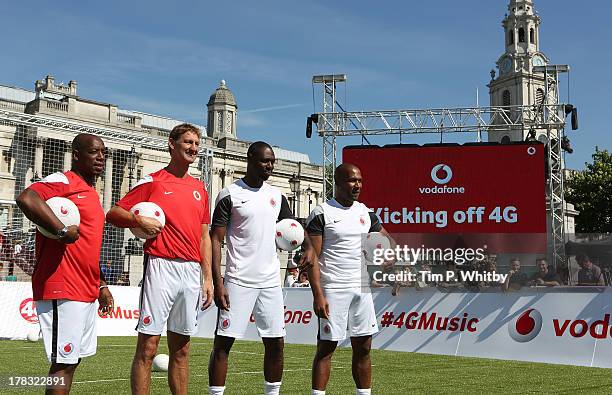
175,259
66,281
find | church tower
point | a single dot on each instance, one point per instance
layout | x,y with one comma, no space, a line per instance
222,113
516,83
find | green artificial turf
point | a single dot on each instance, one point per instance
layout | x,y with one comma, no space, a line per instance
393,372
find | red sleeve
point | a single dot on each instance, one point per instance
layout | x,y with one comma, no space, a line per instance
140,193
206,215
47,190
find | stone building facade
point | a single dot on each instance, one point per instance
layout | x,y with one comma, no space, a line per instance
30,153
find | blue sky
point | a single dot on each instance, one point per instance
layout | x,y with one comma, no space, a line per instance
166,57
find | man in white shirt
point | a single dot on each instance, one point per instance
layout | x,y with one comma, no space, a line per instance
245,214
339,282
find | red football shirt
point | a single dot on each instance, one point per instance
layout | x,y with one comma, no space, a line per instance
70,271
185,204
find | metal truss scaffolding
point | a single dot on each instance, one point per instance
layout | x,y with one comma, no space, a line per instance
548,116
331,125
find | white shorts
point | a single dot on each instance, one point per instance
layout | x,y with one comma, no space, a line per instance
350,308
170,293
68,329
266,305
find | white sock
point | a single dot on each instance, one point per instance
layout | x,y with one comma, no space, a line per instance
216,390
318,392
272,388
363,391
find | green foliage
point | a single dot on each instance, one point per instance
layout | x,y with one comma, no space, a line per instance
590,191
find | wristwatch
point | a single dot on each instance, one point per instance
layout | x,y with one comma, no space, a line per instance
62,232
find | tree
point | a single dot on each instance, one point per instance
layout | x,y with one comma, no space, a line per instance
590,191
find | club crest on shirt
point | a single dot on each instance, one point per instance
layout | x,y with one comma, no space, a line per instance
197,195
272,202
225,323
66,349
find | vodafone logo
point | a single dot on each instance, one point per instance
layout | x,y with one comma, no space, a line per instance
326,328
526,326
441,174
27,309
146,321
67,349
197,196
225,323
63,210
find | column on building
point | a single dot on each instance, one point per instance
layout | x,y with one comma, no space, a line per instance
68,157
38,158
108,181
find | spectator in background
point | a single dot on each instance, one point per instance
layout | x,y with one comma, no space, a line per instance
124,279
302,280
424,282
451,276
491,267
544,276
108,272
589,273
516,278
292,276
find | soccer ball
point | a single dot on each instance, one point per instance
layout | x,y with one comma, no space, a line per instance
160,363
372,242
289,234
32,335
65,210
151,210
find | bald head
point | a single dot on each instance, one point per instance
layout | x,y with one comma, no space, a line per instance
83,140
344,171
260,163
88,154
347,178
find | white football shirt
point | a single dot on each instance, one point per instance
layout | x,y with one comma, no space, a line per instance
250,216
342,229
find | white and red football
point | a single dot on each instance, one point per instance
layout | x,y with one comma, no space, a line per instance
151,210
289,234
65,210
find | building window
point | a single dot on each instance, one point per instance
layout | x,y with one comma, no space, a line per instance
230,118
521,35
540,96
506,98
505,140
219,122
532,36
511,37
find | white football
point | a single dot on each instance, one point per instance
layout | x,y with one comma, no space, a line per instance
372,242
33,335
160,363
289,234
151,210
65,210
